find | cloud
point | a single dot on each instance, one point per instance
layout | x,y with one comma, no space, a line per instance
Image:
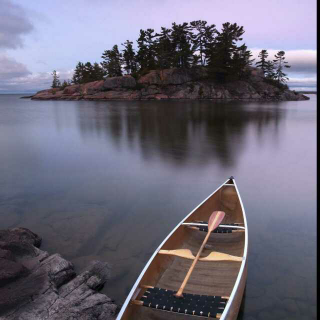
301,61
15,77
11,69
13,25
303,83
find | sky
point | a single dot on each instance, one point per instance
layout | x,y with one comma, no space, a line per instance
37,37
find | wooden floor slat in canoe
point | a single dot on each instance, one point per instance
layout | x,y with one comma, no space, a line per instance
229,243
209,278
205,278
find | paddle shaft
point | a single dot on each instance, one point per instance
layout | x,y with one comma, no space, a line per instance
179,293
212,224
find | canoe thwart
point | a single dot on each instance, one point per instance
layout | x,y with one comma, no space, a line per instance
191,304
213,256
223,228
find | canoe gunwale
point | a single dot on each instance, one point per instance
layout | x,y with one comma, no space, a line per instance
234,290
243,263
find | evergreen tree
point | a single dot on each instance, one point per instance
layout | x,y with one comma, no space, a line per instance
280,63
129,58
146,50
196,60
112,60
263,63
240,61
181,38
220,56
55,81
209,41
142,51
87,75
97,72
204,35
270,70
151,52
65,83
164,49
77,77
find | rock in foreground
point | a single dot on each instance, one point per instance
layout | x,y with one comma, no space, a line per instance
168,84
35,285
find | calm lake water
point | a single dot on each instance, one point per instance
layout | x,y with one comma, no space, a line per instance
110,180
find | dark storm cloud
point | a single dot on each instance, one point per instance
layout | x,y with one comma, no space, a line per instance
13,25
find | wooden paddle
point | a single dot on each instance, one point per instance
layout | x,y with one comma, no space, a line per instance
214,221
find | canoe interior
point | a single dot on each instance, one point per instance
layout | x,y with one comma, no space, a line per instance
216,278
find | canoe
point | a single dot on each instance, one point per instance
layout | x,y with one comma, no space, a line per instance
216,285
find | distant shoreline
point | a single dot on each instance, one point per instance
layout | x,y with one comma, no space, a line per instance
307,92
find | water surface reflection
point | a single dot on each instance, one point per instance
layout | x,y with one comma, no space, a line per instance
109,181
181,132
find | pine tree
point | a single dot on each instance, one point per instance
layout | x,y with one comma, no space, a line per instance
77,77
55,82
87,73
209,41
151,52
181,38
196,60
280,63
146,50
270,70
142,51
240,61
97,72
263,63
112,61
220,57
129,58
203,36
65,83
164,49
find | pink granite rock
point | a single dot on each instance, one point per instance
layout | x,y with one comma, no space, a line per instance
75,88
92,87
126,81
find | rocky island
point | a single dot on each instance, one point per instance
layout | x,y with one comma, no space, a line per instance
174,83
191,61
36,285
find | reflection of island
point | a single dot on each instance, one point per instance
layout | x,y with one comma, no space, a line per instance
180,132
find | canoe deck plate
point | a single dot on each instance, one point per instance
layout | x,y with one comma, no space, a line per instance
191,304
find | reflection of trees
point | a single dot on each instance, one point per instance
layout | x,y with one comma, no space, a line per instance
180,132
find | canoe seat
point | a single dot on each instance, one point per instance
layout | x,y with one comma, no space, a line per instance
192,304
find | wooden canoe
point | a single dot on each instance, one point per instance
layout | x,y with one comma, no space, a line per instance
215,287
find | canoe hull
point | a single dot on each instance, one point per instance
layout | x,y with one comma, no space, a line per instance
233,312
213,278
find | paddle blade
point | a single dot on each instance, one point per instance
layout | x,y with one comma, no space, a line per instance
215,219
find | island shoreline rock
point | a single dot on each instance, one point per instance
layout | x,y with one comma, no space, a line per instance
174,84
36,285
